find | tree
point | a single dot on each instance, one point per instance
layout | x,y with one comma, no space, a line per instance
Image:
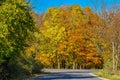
71,38
16,28
108,30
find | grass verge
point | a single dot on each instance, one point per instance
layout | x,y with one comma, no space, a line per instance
108,76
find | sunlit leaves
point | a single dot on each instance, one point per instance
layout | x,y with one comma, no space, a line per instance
16,31
70,37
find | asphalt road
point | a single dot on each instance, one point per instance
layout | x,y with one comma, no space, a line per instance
68,74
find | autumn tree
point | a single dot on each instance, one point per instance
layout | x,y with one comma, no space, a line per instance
109,32
71,38
16,29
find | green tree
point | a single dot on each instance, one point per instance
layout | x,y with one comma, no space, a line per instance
16,28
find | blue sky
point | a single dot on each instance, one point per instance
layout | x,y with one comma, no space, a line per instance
40,6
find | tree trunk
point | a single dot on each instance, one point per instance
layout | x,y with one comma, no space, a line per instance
66,65
58,62
80,67
113,56
74,64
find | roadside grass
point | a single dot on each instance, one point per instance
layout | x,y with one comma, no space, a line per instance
107,76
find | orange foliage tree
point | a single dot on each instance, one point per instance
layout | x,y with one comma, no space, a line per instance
71,38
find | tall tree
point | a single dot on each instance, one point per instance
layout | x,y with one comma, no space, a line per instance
70,32
16,28
109,30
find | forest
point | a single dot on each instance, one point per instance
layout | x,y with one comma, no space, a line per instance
68,37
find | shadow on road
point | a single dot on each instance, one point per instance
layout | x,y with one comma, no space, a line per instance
67,76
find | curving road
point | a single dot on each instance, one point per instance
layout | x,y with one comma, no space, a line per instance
68,74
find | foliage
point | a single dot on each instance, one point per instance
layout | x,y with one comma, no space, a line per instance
16,33
71,41
65,37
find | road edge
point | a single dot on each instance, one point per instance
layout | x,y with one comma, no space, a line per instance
99,77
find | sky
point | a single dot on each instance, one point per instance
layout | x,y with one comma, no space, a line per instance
41,6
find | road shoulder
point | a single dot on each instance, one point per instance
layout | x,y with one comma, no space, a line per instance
99,77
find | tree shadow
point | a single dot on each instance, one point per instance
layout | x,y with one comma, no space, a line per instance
66,75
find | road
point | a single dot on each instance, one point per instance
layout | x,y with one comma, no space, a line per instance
68,74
